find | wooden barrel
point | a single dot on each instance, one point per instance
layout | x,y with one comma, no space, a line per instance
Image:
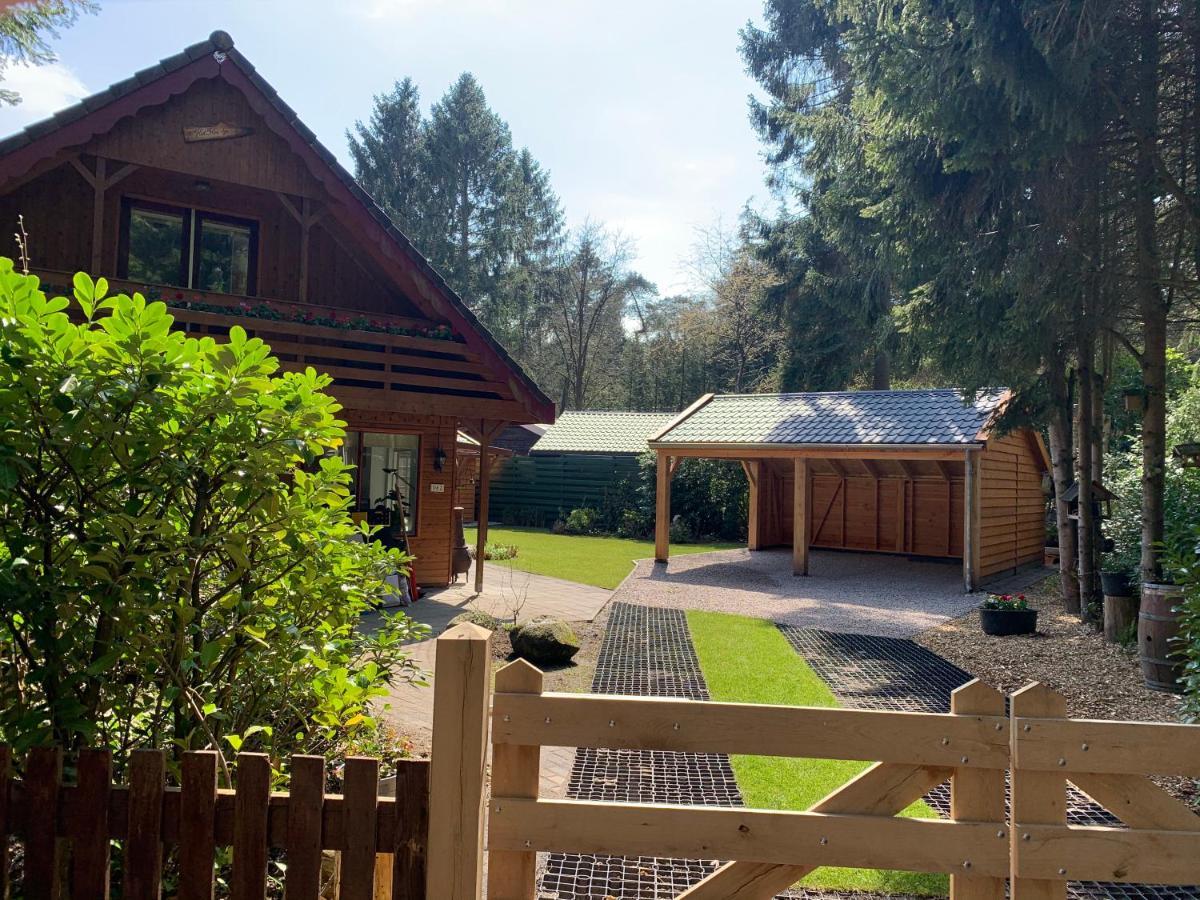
1158,626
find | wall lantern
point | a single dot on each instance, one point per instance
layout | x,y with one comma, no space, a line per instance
439,459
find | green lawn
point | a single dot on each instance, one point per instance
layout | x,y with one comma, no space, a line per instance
600,561
749,661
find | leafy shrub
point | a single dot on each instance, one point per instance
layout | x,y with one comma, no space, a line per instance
500,551
1181,500
1183,558
710,495
581,521
177,560
559,527
682,531
636,524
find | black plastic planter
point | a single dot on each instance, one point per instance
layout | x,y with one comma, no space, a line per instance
1115,584
1002,622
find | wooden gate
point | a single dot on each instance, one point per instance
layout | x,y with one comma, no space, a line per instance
67,827
1031,851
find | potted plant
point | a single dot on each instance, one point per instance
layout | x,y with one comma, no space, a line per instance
1116,583
1004,614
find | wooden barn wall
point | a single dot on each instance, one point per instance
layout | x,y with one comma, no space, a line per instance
432,542
1012,507
536,490
922,516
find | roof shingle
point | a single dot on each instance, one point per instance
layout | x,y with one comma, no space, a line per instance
601,431
935,417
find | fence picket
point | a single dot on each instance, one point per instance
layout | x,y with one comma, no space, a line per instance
359,816
197,825
43,774
412,826
305,802
1038,797
249,879
143,844
89,827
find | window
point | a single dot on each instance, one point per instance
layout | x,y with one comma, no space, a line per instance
188,248
385,462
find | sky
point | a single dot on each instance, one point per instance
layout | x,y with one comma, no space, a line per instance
637,107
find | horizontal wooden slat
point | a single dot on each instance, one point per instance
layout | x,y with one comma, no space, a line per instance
589,720
690,832
1089,745
1094,853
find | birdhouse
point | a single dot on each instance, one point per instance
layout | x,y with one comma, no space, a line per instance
1135,399
1188,455
1102,499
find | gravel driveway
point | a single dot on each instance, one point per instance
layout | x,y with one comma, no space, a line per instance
867,593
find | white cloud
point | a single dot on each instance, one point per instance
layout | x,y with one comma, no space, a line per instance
44,91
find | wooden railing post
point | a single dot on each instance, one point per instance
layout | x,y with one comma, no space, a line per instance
977,795
516,769
1038,797
461,695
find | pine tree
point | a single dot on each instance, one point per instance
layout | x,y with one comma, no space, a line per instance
391,160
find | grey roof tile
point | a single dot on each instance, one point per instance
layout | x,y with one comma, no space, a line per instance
935,417
601,431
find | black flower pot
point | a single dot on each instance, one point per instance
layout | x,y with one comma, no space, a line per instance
1115,584
1001,622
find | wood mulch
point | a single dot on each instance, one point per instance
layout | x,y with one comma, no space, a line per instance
1099,680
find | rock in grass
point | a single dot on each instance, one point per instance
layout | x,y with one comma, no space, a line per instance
545,641
476,617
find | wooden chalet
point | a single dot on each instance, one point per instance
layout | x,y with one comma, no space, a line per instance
919,473
195,184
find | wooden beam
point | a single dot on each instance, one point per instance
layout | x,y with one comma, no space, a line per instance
950,454
801,513
872,469
486,434
100,181
971,523
909,471
754,537
977,795
837,467
662,508
944,468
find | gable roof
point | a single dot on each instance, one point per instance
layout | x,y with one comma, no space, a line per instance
877,418
601,431
217,57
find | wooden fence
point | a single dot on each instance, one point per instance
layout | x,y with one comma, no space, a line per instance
66,828
977,747
437,850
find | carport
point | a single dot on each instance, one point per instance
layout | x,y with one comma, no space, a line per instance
921,473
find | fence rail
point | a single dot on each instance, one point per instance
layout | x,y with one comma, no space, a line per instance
66,827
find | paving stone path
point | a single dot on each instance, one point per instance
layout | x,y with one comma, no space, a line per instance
889,673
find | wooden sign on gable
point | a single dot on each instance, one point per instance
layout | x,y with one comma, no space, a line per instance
221,131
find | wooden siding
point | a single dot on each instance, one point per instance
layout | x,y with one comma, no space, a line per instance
922,515
536,490
1012,527
154,137
432,540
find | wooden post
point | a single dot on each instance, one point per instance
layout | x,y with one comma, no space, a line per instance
461,695
801,516
512,875
1038,798
305,232
100,182
754,537
662,509
977,795
970,523
485,486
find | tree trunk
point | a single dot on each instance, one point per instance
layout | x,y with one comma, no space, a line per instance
1061,465
1084,476
1151,303
881,372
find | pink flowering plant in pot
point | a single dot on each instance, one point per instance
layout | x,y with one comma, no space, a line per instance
1005,614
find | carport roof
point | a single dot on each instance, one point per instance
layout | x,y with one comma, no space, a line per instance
937,418
601,431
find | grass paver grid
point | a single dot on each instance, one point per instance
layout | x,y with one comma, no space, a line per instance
873,672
